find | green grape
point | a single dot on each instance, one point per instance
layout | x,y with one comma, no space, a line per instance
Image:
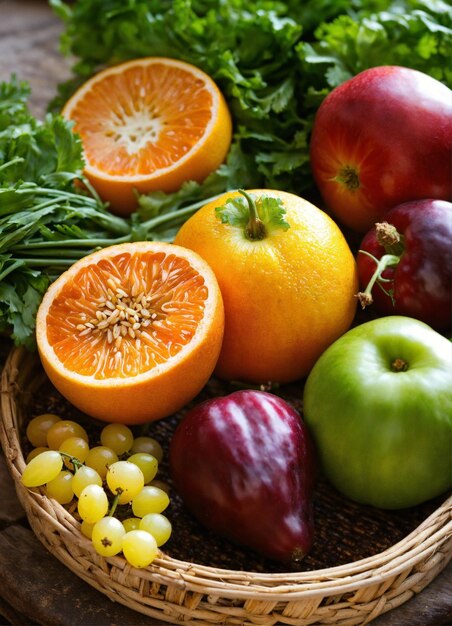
148,445
139,548
149,500
42,469
35,452
158,526
60,488
38,428
62,430
107,536
161,484
92,504
118,437
75,447
100,458
131,523
125,479
147,463
83,477
86,529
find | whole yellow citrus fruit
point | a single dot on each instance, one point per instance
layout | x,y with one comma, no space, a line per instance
149,124
287,276
132,332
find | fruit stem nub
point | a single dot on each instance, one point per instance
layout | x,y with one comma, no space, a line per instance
389,237
255,229
399,365
349,177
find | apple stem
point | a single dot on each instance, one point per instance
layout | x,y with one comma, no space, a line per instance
255,229
399,365
387,260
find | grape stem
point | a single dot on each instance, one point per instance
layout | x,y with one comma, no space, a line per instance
75,462
114,503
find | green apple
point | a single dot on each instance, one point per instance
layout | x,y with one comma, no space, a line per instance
378,403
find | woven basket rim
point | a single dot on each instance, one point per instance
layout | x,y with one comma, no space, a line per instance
436,529
296,585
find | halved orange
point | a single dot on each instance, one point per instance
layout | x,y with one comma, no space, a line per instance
149,124
132,332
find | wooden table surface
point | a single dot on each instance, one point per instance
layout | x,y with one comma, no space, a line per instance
35,588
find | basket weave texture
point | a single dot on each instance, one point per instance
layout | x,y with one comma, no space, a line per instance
180,591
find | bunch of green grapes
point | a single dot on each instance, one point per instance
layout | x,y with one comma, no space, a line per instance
118,499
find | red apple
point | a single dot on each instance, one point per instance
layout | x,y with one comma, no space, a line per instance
382,138
405,263
243,464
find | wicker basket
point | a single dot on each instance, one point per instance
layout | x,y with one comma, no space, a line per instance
176,590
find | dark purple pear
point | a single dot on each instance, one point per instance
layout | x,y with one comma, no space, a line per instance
244,466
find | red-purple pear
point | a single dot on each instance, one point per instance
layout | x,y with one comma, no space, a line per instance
244,466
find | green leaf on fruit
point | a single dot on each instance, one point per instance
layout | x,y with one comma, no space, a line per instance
270,210
234,212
